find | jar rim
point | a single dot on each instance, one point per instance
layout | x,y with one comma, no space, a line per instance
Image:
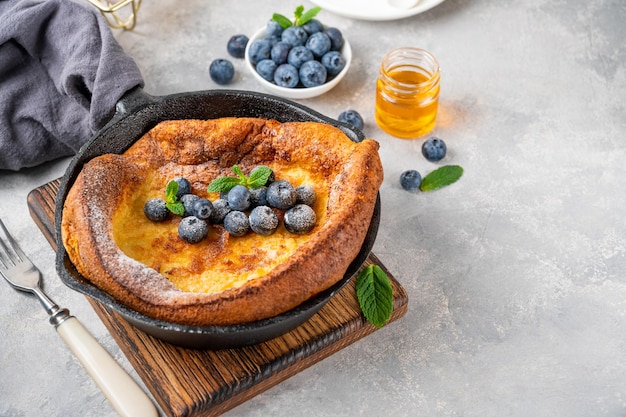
412,56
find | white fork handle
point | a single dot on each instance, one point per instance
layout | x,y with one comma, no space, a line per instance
126,397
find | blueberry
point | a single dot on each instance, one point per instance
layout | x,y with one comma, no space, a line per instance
300,219
237,223
334,62
184,186
270,179
192,230
312,74
434,149
281,194
298,55
273,28
239,198
313,26
188,200
237,46
336,38
263,220
410,180
220,210
156,210
318,43
273,41
202,208
258,196
280,52
294,35
222,71
286,76
266,68
259,49
305,194
351,117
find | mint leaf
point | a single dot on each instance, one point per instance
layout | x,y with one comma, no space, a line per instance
239,172
171,189
177,208
298,12
221,184
306,17
441,177
375,295
283,21
259,177
171,200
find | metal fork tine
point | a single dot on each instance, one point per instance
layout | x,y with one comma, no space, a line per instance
16,249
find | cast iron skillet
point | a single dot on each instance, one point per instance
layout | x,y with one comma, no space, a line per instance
136,113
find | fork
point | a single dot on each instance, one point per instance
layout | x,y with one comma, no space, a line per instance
126,397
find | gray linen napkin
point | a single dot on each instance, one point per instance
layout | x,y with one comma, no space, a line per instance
61,74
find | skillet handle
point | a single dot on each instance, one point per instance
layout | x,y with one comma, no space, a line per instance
134,100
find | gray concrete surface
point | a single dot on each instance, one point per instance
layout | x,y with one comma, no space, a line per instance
516,274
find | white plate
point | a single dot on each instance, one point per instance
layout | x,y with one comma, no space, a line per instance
298,92
374,9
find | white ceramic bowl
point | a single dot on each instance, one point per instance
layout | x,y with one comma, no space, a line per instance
298,92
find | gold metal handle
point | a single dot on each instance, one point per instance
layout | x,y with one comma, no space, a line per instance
110,11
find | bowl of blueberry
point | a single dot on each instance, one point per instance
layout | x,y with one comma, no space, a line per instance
298,59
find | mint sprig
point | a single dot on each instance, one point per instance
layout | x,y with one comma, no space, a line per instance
172,202
375,295
257,179
441,177
300,17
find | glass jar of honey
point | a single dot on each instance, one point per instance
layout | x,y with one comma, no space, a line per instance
407,92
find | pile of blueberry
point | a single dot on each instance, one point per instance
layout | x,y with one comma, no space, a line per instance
240,210
298,56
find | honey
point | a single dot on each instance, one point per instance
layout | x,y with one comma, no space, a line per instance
407,93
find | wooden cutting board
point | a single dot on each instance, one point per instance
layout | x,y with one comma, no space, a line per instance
201,383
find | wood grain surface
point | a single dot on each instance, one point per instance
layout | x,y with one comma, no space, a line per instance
201,383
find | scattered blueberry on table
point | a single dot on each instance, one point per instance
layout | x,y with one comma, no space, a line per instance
222,71
410,180
351,117
434,149
236,46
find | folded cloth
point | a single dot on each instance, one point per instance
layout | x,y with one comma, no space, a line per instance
61,74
